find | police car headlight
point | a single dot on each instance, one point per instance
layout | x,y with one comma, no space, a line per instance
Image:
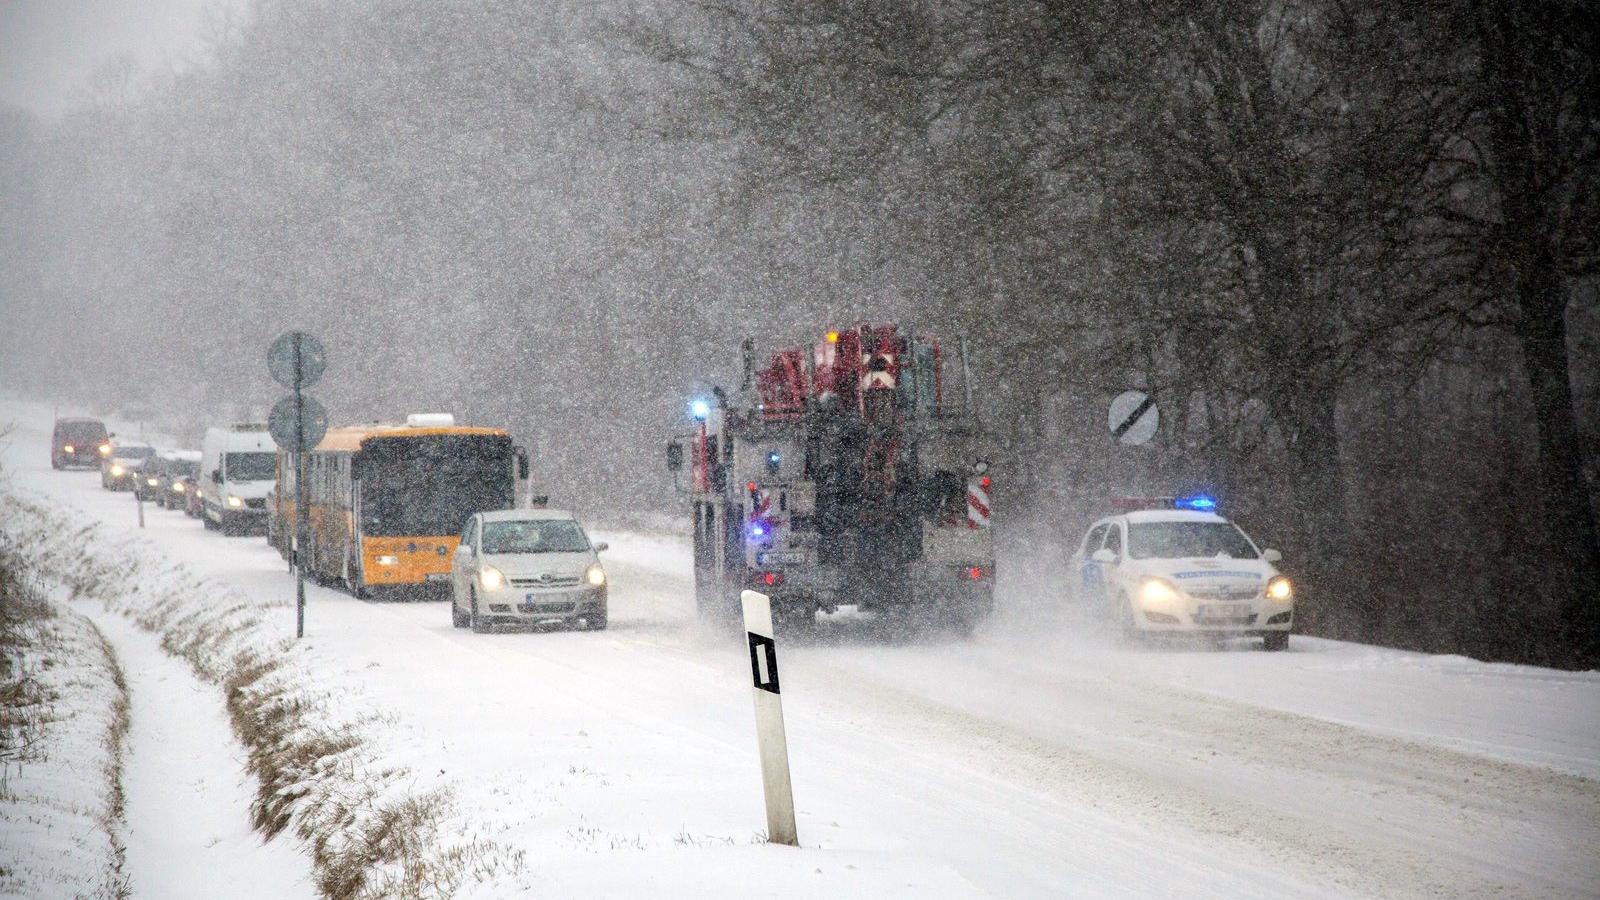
1280,589
596,576
1157,590
491,578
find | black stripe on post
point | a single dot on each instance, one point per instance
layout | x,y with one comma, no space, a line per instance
761,644
1134,417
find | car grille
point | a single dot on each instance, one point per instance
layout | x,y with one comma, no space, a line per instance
554,581
1227,593
257,503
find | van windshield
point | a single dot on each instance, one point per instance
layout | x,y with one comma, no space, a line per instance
250,466
135,452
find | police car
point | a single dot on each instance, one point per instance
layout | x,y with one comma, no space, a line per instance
1175,565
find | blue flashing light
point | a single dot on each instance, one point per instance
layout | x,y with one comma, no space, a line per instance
758,530
1198,503
700,409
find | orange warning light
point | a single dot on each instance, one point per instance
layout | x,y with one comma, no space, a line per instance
833,337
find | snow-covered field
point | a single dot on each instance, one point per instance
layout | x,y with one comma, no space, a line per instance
1036,760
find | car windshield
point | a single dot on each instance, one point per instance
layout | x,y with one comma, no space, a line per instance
250,466
534,536
1177,540
82,432
135,452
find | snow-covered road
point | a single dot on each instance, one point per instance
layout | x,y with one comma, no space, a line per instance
1037,760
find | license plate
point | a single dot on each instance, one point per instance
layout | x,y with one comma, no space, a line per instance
438,576
1220,611
780,558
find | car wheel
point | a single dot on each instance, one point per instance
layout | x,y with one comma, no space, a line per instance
1126,623
458,618
594,623
480,625
1274,641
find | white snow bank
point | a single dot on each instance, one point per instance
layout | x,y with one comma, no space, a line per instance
63,715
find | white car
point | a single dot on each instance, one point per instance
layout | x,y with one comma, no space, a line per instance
527,567
1183,568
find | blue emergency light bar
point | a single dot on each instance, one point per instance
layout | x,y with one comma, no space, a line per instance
700,409
1198,503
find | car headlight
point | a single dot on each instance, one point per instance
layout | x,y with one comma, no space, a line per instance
150,481
491,578
1280,589
1156,590
235,502
177,487
116,471
388,560
596,575
69,449
105,449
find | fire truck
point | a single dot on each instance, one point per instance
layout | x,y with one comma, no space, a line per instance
843,473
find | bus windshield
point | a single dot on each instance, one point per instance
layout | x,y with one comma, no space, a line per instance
427,486
256,466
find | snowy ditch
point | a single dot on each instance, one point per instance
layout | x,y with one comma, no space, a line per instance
63,720
318,773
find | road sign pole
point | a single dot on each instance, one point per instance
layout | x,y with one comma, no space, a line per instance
772,744
302,517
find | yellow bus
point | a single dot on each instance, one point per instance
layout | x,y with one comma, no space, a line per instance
388,502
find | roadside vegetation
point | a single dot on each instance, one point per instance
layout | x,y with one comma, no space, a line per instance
318,776
63,728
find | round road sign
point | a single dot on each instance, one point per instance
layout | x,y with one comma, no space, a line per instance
281,359
281,423
1134,417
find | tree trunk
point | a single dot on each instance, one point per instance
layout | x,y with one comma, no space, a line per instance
1317,481
1518,132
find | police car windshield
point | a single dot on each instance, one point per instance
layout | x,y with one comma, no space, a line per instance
539,536
1177,540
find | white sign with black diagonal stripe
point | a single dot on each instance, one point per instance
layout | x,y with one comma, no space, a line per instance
1134,417
771,743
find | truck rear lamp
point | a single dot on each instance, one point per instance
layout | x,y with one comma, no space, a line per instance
973,573
767,579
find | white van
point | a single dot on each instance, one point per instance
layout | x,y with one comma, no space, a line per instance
238,468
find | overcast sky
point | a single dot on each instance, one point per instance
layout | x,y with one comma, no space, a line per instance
49,48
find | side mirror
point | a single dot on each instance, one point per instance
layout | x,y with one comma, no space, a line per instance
216,475
464,551
1104,556
1271,556
602,547
674,456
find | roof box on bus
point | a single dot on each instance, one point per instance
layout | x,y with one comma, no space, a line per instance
249,426
430,420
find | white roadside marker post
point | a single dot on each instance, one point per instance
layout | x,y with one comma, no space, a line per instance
771,743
